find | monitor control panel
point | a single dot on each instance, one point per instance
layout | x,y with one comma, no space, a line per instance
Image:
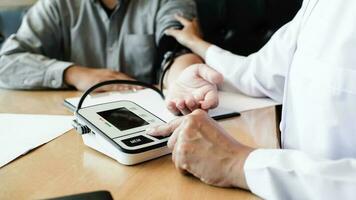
124,124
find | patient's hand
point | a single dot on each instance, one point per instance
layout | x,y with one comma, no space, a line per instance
82,78
190,36
196,87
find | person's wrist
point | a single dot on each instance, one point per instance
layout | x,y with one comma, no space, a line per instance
193,41
70,75
239,178
199,46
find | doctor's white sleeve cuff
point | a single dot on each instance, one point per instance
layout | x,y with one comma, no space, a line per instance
277,174
237,71
222,60
291,174
256,169
54,75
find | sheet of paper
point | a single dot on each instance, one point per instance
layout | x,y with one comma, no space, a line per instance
240,102
22,133
151,101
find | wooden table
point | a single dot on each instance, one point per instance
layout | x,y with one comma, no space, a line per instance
65,166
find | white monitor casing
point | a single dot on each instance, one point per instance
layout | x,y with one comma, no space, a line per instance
130,146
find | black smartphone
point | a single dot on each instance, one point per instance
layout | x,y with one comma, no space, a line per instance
97,195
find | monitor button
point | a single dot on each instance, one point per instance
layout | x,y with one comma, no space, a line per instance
136,141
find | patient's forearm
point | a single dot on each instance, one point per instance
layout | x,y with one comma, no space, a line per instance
180,63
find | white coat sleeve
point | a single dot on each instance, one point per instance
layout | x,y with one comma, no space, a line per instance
291,174
263,73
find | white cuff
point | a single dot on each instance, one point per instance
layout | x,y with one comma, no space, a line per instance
256,163
54,74
221,60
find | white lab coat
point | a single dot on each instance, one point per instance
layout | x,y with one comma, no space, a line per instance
310,65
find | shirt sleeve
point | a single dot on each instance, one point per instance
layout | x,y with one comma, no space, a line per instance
263,73
291,174
165,16
26,57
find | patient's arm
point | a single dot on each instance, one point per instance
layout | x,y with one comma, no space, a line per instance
82,78
180,63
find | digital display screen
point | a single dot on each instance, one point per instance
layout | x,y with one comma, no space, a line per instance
122,118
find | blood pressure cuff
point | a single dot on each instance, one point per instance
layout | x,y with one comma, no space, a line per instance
167,46
166,20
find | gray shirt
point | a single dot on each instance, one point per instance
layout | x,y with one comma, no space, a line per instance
56,34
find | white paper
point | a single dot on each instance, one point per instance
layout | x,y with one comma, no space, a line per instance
240,102
22,133
152,102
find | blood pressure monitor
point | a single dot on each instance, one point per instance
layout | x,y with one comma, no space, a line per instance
122,125
118,129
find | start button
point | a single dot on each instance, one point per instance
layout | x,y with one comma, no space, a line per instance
136,141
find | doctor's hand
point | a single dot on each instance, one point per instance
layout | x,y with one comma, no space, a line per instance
195,88
201,147
190,36
82,78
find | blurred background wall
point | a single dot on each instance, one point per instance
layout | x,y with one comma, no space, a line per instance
241,26
12,3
